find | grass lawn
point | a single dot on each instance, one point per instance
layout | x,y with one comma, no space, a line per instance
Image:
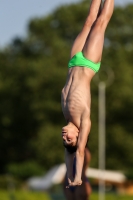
94,196
28,195
23,195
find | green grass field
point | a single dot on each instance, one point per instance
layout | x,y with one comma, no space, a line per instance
27,195
112,197
23,195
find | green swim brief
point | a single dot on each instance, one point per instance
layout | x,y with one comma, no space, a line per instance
80,61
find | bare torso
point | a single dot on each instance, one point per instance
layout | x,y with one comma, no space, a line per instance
76,98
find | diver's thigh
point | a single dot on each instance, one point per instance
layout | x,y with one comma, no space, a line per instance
94,45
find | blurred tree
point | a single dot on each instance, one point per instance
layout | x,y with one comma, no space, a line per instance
32,74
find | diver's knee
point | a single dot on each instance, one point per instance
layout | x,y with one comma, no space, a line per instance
104,18
90,19
101,23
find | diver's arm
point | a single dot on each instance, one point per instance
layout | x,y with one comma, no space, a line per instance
82,140
69,165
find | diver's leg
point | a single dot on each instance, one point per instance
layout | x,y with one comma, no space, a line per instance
81,38
94,44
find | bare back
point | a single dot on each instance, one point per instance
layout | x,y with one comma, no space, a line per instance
76,97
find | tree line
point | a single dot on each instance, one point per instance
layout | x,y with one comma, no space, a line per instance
32,73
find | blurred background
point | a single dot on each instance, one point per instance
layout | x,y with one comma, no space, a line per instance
36,37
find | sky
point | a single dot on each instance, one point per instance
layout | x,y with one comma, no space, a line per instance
15,15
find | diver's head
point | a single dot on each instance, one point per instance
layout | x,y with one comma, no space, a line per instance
70,137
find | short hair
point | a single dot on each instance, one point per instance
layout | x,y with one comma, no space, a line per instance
71,149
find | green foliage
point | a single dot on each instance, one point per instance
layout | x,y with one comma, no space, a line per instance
7,181
47,144
129,175
32,74
24,170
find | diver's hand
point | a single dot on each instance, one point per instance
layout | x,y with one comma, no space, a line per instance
74,183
